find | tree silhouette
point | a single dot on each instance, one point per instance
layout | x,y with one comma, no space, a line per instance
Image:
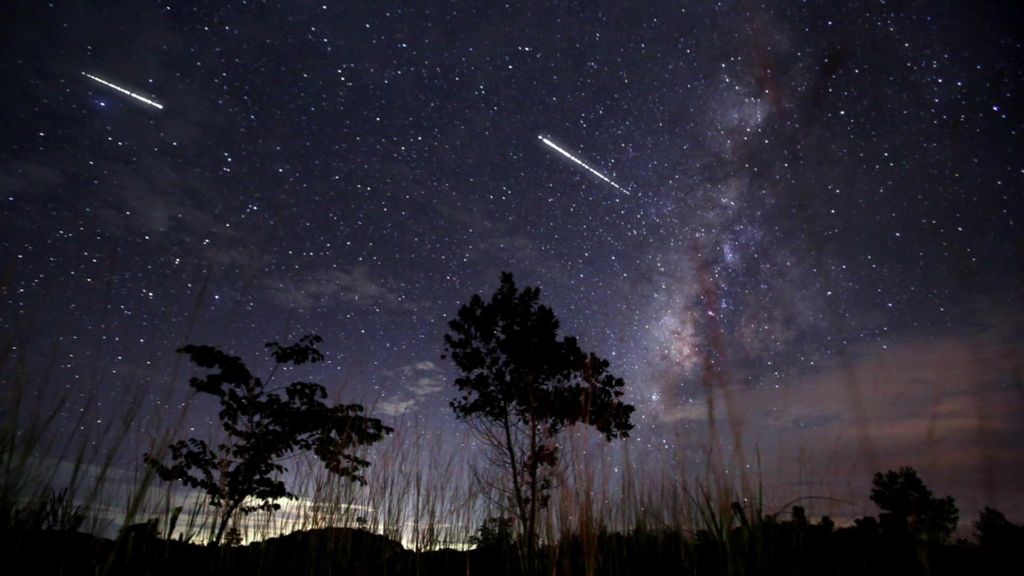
521,385
495,532
908,507
993,530
262,427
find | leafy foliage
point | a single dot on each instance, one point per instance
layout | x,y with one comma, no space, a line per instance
908,506
514,365
521,385
262,427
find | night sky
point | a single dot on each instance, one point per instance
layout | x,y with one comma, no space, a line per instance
825,200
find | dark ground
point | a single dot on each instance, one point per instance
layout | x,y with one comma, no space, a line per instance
770,548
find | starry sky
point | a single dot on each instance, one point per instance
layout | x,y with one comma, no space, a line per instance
821,201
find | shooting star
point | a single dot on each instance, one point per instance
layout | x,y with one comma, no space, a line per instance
123,91
581,163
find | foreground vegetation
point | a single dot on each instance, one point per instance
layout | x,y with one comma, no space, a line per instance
738,543
422,511
88,503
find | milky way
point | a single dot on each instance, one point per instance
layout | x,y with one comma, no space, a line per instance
831,194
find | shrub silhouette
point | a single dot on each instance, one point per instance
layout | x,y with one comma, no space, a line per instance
53,510
262,427
495,532
993,530
908,507
233,537
521,385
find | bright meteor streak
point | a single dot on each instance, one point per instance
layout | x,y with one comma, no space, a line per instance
123,91
581,163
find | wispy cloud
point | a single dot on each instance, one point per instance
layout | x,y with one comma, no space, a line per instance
946,405
30,178
335,286
395,407
417,382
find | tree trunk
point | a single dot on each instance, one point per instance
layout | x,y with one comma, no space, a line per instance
531,543
514,470
228,513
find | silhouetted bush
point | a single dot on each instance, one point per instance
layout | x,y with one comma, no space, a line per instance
263,427
908,507
993,530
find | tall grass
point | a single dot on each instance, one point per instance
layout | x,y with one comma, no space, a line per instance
422,488
60,461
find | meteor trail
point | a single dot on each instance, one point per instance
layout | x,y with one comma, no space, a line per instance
123,91
581,163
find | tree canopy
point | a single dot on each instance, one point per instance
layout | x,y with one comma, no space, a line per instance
908,506
263,426
522,384
994,530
